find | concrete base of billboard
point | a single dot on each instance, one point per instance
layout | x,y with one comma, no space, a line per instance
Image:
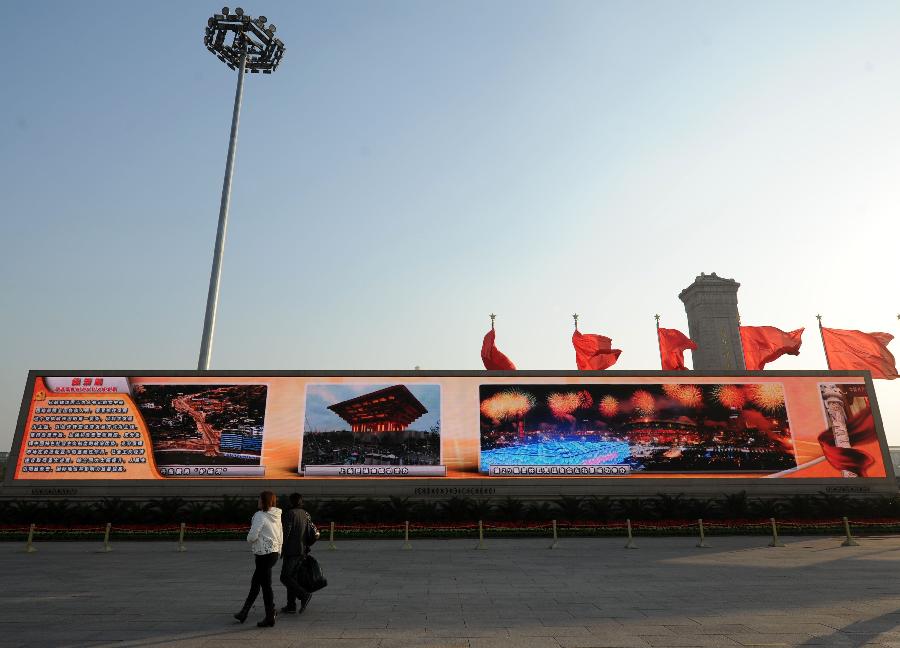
587,592
523,488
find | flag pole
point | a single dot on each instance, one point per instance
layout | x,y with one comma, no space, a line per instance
493,317
575,317
659,342
824,346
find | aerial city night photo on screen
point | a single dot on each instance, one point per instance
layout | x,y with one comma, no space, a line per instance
204,424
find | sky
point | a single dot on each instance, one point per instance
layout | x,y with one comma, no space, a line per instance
414,166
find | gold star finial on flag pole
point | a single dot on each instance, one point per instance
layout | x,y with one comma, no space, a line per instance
493,317
575,317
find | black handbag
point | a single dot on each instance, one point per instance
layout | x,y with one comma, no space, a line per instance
312,533
310,575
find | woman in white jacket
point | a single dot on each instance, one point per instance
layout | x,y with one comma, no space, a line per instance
265,539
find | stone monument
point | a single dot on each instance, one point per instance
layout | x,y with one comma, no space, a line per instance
714,322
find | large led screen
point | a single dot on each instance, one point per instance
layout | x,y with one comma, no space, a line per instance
459,426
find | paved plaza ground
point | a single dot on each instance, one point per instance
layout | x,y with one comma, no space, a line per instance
587,592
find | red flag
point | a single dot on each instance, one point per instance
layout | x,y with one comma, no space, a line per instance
857,350
672,345
593,352
492,357
764,344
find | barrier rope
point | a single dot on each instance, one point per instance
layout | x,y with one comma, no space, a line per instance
465,529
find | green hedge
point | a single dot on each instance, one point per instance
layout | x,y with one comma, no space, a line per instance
238,510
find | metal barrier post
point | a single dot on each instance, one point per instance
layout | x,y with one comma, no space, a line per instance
702,542
630,544
555,537
181,546
849,542
29,545
480,544
406,544
106,547
331,537
775,541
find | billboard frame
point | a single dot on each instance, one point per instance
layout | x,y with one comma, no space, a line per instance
415,488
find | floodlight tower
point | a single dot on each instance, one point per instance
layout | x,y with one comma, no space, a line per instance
247,45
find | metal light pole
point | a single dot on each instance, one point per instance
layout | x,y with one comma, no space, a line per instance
252,48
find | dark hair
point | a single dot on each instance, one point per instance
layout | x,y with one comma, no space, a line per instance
296,500
267,499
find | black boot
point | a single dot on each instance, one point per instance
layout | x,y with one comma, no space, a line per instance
242,615
269,621
290,608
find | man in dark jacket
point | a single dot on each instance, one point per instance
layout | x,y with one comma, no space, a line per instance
294,523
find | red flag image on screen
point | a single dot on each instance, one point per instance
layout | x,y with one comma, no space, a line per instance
593,352
672,345
853,350
764,344
492,357
860,429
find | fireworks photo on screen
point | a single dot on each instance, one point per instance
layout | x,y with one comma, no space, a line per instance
674,428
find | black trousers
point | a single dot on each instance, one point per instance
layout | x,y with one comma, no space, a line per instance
289,570
262,580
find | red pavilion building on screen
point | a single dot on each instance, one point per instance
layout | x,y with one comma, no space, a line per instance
392,409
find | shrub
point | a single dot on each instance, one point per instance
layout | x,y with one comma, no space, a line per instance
669,507
481,509
599,508
195,512
58,512
635,508
571,509
339,511
799,506
765,508
700,508
539,512
166,510
734,505
457,509
510,509
397,509
313,507
232,510
116,509
426,511
831,505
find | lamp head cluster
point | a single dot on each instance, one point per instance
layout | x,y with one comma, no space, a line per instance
231,36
